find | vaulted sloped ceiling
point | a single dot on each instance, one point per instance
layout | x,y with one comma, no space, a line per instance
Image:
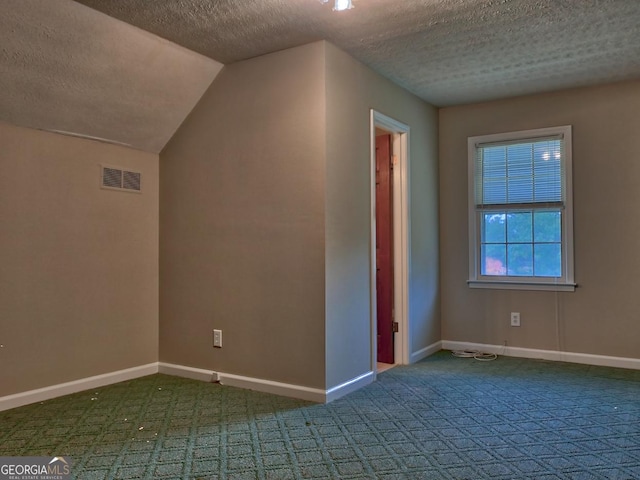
65,65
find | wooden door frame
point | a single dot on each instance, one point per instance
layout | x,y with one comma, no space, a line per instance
401,235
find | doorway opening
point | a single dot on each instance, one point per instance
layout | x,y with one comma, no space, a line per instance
390,334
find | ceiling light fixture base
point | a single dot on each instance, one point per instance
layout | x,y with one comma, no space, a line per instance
340,5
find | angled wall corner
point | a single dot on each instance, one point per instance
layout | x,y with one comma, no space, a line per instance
242,223
265,222
352,90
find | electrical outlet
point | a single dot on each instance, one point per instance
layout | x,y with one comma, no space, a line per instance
515,319
217,338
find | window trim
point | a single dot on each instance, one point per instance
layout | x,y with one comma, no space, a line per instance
476,280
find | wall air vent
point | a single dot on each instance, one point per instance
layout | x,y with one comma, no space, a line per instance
114,178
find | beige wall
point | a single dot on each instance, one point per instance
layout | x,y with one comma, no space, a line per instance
264,232
265,220
79,275
601,316
352,90
242,223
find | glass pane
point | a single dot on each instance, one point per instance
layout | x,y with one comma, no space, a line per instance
548,260
494,260
520,260
493,228
519,227
547,226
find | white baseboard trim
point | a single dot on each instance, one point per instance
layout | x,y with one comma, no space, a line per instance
554,355
53,391
349,386
269,386
425,352
276,388
188,372
298,391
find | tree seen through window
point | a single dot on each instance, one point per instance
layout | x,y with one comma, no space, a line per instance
523,243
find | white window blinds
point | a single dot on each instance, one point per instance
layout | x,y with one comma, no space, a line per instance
519,172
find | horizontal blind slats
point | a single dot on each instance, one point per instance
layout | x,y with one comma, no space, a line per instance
529,171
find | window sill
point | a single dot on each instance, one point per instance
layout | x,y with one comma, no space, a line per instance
510,285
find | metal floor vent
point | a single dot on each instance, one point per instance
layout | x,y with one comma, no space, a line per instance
115,178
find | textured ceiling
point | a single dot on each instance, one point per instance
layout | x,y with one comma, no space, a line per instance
446,51
66,67
131,76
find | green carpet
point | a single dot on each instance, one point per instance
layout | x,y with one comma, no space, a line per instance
442,418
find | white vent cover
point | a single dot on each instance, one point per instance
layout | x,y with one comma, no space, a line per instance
115,178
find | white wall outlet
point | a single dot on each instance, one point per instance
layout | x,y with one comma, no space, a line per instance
515,319
217,338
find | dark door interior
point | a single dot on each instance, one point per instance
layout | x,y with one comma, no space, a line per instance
384,248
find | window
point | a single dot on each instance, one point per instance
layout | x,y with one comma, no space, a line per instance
520,210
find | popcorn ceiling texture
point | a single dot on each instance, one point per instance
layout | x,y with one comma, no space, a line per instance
446,51
66,67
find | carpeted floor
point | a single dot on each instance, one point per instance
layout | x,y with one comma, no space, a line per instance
443,418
